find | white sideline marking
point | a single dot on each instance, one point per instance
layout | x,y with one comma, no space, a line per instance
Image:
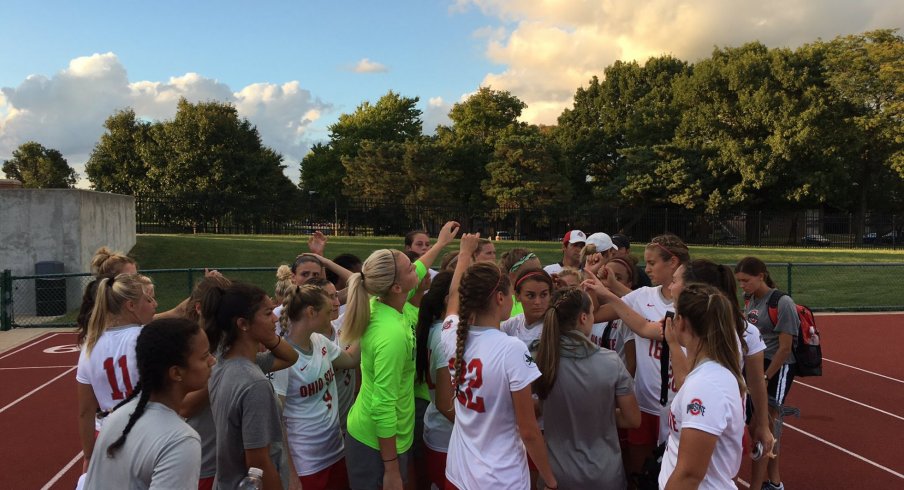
36,367
848,452
864,370
32,392
850,400
20,349
63,471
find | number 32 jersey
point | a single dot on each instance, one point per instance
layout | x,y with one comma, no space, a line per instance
111,369
485,450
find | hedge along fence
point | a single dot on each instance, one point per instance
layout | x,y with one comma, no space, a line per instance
47,300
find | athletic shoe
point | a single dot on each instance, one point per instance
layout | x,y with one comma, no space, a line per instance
768,485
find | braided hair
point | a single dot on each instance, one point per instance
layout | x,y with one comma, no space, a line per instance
297,299
161,344
479,286
432,307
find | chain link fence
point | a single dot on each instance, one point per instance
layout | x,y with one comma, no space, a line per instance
53,300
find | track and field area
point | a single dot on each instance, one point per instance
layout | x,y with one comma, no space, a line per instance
847,434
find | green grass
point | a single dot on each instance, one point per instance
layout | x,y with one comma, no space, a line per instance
822,287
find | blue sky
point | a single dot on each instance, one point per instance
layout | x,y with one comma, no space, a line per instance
289,66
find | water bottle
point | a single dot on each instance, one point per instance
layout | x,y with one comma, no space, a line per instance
253,481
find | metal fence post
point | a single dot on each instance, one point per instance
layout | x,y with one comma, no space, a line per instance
191,280
790,292
6,300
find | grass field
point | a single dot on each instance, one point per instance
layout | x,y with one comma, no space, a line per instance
826,286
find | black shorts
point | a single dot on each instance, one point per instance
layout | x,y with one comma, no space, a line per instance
780,384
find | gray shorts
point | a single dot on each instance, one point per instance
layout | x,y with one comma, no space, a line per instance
365,465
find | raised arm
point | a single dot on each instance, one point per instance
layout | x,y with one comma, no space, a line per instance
467,247
617,308
446,235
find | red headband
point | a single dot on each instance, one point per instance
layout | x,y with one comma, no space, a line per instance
528,275
498,282
667,251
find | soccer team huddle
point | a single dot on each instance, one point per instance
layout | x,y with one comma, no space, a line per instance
435,368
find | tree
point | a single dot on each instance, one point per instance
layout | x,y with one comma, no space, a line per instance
523,173
470,141
393,118
865,73
116,164
38,167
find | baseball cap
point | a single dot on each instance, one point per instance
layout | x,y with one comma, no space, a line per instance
574,236
621,241
602,242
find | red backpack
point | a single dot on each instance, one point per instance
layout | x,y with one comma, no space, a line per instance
808,351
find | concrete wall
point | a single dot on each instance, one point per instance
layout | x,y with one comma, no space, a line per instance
65,225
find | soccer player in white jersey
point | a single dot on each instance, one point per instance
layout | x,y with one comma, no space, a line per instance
706,418
752,351
643,310
492,373
312,403
144,443
533,288
107,371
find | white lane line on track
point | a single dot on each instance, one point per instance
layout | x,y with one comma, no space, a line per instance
798,382
864,370
39,388
63,471
846,451
36,367
20,349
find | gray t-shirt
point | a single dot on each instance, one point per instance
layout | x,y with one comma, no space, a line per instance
202,422
579,415
161,451
757,311
246,417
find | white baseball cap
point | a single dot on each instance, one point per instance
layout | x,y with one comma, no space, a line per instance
602,242
574,236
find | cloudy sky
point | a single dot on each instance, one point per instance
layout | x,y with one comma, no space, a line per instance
292,67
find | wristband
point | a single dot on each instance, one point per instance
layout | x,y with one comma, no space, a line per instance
278,340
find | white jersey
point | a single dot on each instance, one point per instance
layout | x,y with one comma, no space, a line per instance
485,450
619,335
516,326
111,369
312,412
346,379
437,428
649,303
754,342
709,401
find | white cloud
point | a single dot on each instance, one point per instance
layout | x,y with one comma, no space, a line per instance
67,111
551,47
435,114
368,66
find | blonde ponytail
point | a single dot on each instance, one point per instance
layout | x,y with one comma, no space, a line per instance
378,273
112,295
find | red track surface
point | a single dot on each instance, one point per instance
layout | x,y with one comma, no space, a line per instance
40,438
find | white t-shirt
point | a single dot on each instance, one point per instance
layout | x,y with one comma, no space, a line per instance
111,369
754,341
312,411
485,450
553,268
709,400
516,326
346,379
437,428
618,336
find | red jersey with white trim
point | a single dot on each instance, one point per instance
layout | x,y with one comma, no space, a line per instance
111,369
312,411
485,450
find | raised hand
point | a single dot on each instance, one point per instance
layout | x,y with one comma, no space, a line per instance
447,233
317,243
469,244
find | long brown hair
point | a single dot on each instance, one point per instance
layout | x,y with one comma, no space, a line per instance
708,272
668,246
479,285
711,317
753,266
561,320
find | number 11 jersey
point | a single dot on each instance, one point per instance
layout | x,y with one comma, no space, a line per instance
111,368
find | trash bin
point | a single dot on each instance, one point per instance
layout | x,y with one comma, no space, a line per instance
50,294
